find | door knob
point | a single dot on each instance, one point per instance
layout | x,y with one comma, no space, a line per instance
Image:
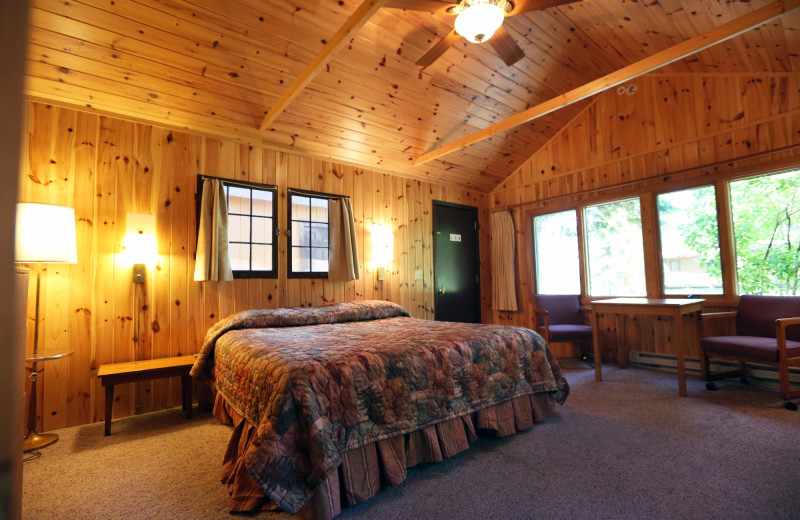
441,291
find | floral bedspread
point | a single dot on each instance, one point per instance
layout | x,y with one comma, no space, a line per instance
320,381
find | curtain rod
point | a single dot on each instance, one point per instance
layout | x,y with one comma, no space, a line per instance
751,170
317,194
244,184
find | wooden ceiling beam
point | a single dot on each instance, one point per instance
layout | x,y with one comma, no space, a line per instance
677,52
342,36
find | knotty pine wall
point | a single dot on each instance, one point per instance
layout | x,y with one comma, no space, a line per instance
105,168
673,133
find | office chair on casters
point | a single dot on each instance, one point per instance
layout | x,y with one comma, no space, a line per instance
559,317
767,333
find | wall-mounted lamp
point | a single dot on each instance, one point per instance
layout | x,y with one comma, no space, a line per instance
382,249
139,247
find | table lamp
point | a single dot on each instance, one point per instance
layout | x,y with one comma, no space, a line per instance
45,234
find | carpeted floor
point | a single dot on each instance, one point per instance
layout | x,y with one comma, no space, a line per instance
625,448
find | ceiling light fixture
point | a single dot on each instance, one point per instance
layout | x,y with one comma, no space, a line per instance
478,19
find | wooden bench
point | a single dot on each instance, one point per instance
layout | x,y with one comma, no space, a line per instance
133,371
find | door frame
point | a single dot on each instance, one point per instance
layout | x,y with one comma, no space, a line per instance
474,210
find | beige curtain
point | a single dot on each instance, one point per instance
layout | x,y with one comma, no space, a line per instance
343,248
504,290
212,262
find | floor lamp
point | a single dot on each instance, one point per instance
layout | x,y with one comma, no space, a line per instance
45,234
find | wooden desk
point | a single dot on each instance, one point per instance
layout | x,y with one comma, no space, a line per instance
677,308
133,371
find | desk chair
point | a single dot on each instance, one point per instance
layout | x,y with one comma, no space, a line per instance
763,336
559,317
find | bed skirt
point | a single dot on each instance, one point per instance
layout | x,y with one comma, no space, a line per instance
366,469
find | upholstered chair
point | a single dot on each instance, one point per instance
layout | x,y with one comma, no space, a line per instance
560,317
767,333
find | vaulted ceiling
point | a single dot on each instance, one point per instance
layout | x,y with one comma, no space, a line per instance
219,66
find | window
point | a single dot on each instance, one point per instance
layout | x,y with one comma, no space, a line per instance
690,252
614,249
555,238
308,240
766,229
252,228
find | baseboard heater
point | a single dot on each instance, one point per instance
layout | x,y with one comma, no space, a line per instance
759,373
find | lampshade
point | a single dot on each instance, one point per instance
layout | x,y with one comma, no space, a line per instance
382,246
479,20
45,233
140,239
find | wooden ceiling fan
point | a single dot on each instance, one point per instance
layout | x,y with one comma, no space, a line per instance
500,39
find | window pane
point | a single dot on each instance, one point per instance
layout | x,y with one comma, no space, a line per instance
614,249
319,235
268,223
556,250
300,207
238,200
300,233
262,203
309,234
250,223
766,230
262,258
240,257
238,228
319,259
301,262
319,210
690,242
261,230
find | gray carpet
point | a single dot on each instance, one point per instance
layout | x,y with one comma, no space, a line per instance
626,448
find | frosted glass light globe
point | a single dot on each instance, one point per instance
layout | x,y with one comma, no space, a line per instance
479,21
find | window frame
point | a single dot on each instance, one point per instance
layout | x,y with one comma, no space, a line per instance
275,233
290,273
651,239
647,190
729,230
717,186
579,232
585,261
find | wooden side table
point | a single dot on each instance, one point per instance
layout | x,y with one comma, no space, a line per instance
133,371
34,440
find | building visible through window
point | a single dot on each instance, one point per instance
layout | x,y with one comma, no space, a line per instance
308,240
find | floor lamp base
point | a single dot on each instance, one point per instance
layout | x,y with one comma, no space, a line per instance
34,441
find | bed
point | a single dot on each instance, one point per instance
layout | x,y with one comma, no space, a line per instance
330,403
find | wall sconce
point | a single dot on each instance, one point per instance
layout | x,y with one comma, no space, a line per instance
139,246
382,249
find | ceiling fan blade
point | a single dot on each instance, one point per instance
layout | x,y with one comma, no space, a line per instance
523,6
437,50
428,6
505,46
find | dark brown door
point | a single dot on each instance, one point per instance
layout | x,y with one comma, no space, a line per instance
456,265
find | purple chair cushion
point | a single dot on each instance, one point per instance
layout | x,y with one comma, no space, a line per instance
756,348
561,308
570,332
757,314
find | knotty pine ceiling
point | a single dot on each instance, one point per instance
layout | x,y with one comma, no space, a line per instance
217,66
